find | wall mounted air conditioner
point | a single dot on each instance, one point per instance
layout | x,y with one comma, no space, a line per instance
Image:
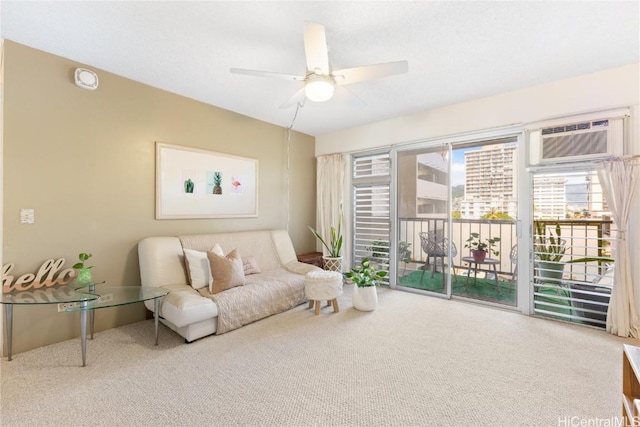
577,141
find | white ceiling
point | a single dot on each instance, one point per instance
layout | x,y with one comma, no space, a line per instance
456,51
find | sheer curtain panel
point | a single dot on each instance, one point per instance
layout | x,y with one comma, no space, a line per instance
330,189
619,178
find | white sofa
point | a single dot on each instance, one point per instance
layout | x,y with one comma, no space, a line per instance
196,313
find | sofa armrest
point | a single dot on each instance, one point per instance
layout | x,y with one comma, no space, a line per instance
283,246
298,267
183,305
161,262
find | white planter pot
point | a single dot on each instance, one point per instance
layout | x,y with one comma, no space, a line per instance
332,264
365,299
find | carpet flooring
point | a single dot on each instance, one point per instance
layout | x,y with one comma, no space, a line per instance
415,361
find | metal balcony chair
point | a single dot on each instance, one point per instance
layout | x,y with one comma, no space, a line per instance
436,248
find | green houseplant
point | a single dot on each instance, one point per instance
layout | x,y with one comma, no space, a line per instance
379,249
549,244
479,248
365,276
83,275
404,254
333,261
549,249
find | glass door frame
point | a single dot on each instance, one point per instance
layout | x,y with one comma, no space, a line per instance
523,191
393,261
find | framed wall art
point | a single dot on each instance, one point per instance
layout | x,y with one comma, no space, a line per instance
195,183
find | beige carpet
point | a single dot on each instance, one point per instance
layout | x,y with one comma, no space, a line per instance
415,361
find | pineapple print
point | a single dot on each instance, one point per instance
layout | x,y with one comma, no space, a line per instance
217,182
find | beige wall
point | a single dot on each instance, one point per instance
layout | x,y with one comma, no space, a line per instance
609,89
85,162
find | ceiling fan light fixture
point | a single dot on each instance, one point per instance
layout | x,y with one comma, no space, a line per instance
319,89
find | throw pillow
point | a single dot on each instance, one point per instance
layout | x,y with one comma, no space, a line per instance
198,267
227,271
250,265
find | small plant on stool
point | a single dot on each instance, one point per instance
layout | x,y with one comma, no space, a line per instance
480,248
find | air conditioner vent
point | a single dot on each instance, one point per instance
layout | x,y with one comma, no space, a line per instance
574,127
579,144
581,139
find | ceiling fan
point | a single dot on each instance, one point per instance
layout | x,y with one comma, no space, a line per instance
320,81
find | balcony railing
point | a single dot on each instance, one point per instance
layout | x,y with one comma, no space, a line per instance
585,238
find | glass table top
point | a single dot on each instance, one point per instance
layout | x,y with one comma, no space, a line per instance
111,296
53,295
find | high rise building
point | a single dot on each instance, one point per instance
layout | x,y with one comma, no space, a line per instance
490,181
549,197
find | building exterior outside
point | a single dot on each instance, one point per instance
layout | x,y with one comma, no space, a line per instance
490,182
549,197
424,191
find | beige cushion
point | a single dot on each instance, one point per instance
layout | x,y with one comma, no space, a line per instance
227,271
198,266
250,265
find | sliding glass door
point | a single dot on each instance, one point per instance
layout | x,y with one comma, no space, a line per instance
451,198
572,273
423,251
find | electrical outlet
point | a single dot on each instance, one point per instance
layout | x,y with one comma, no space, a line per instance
105,298
67,305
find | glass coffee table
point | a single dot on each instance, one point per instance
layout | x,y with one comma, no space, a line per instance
85,299
113,296
53,295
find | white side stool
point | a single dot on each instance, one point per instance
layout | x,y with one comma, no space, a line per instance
323,285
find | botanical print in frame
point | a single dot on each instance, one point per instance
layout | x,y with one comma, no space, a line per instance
195,183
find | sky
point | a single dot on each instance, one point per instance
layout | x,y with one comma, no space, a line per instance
457,168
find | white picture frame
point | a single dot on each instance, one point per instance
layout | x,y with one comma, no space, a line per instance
194,183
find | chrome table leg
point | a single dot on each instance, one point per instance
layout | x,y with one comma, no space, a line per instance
92,289
83,331
8,318
155,316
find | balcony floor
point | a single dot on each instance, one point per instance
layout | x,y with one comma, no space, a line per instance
483,289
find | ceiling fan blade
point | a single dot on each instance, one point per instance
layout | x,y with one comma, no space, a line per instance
297,97
345,95
369,72
315,48
266,74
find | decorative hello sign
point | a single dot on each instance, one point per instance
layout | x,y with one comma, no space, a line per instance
49,274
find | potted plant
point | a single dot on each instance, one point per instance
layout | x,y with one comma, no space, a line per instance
83,275
332,262
549,247
479,248
365,276
404,254
379,250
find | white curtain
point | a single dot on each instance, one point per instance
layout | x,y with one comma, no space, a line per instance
619,178
330,189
